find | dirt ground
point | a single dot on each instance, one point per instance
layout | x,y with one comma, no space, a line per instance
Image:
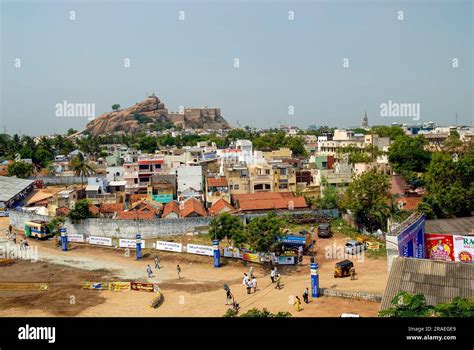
198,293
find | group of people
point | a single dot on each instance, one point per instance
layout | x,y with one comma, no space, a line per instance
297,302
276,278
250,282
149,271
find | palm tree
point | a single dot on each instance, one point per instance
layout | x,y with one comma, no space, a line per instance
81,167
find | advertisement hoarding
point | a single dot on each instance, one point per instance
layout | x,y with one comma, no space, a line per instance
439,247
463,248
100,241
200,249
169,246
411,241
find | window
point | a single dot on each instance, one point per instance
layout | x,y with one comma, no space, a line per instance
267,171
283,172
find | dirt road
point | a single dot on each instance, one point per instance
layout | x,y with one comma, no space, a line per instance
198,293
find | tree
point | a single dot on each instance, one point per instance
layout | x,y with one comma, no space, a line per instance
329,198
414,305
407,305
367,198
408,155
81,210
227,226
20,169
71,131
263,232
55,224
256,313
80,167
387,131
449,186
115,107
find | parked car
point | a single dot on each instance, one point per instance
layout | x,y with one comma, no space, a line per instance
324,231
354,247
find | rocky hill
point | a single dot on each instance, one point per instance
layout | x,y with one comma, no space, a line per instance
150,114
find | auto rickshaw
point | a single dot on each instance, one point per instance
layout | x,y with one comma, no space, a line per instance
37,229
343,268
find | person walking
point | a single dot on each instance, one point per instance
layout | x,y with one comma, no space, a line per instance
251,272
245,280
178,270
14,237
229,297
149,271
254,284
273,274
278,281
298,304
306,295
248,285
10,228
157,265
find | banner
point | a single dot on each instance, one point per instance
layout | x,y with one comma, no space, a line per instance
169,246
119,286
100,241
439,247
142,287
251,257
199,249
96,285
463,248
75,237
129,243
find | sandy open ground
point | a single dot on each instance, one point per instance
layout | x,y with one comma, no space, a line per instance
198,293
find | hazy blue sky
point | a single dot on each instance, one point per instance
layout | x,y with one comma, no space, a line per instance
282,63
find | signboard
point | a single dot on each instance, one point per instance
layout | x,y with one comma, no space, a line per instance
200,249
463,248
217,253
286,260
75,237
142,287
295,240
230,252
169,246
411,241
439,247
314,269
119,286
251,257
129,243
100,241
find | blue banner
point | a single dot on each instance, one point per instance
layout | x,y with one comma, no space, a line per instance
217,253
63,239
138,248
314,280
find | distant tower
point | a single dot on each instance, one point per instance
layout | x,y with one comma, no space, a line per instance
365,121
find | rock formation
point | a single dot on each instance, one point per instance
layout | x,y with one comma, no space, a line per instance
149,114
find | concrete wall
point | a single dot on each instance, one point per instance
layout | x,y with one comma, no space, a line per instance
60,180
118,228
128,228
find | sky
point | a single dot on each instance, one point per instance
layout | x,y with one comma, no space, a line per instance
290,68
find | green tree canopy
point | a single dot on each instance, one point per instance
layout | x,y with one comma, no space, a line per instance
227,226
81,210
367,197
408,155
20,169
263,232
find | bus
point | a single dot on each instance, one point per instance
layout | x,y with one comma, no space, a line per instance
37,229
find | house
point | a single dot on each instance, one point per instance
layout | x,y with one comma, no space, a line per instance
171,210
109,209
257,202
162,188
117,186
63,199
221,206
217,188
189,177
135,215
192,208
147,206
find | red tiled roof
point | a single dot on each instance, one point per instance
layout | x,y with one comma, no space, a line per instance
133,215
409,203
268,204
111,207
169,208
218,206
63,211
217,181
262,196
93,209
137,197
192,205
